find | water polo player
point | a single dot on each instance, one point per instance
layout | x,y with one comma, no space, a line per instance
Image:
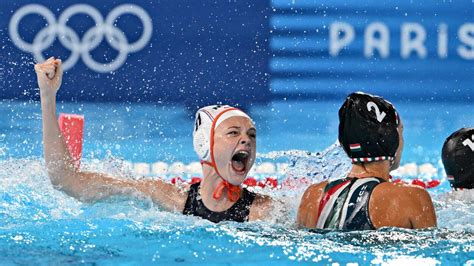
458,158
371,133
224,138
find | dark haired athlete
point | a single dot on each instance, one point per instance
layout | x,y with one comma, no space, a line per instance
371,133
458,158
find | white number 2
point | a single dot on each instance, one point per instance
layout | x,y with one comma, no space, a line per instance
380,115
468,142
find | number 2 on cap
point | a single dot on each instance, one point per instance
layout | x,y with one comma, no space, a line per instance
468,142
380,115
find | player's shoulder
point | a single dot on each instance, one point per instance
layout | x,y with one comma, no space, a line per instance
403,191
317,188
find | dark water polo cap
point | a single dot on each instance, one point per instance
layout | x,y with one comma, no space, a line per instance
368,128
458,158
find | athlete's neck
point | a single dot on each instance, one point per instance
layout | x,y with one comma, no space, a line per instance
208,185
374,169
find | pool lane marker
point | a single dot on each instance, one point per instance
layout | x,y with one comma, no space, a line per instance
72,129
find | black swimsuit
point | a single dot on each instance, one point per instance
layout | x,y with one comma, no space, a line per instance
345,204
239,212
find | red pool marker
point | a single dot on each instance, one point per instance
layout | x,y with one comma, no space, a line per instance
195,180
177,180
250,182
268,182
293,183
418,182
433,183
72,129
271,182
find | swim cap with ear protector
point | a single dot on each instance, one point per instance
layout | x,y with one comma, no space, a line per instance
458,158
207,120
368,128
206,123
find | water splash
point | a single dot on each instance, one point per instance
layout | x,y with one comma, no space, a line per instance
42,224
332,163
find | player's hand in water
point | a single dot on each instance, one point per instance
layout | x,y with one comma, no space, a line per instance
49,74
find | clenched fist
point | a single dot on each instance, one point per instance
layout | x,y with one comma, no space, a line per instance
49,74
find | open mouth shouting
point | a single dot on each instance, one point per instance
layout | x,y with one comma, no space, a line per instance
240,162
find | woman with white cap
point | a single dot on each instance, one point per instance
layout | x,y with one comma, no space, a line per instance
224,138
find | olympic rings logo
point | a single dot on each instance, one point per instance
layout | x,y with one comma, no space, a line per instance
91,38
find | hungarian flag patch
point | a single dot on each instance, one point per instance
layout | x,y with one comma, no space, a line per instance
355,147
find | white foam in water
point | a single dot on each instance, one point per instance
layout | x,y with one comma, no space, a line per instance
3,146
332,163
407,260
455,210
282,168
28,196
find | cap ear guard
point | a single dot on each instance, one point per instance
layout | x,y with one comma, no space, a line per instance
201,133
201,145
207,120
203,127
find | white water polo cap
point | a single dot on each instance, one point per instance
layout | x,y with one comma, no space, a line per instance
207,120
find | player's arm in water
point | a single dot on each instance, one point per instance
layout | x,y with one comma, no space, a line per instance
87,186
265,207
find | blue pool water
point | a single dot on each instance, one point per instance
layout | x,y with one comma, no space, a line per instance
41,224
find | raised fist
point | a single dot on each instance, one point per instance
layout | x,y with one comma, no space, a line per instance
49,74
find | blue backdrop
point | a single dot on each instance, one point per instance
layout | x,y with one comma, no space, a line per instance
199,52
240,52
417,50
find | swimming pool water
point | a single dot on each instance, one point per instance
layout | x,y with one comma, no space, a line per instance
40,224
152,132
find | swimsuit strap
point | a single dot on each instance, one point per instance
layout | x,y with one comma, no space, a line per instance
238,212
345,204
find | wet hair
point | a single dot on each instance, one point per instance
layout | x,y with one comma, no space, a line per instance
458,158
368,128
